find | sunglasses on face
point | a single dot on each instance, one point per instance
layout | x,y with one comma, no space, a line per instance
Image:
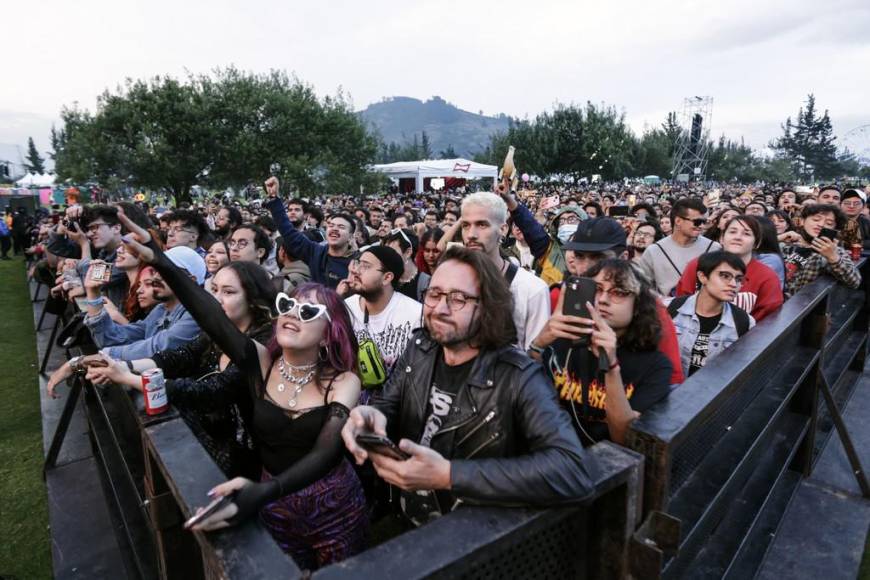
697,222
305,311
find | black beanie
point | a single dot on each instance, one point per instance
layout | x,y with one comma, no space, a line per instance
391,261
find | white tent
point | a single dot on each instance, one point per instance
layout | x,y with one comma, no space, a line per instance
31,180
419,170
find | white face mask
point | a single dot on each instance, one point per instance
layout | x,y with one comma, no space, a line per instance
565,232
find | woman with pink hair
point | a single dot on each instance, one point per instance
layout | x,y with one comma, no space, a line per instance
301,387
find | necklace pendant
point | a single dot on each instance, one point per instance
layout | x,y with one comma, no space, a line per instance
292,403
281,387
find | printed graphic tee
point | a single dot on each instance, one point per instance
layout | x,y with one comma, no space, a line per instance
702,344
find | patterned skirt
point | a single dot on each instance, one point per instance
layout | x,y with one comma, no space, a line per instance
323,523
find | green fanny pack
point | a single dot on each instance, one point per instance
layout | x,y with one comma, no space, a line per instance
372,370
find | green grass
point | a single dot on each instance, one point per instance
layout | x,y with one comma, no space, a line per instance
24,535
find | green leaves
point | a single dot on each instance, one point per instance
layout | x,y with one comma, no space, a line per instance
222,130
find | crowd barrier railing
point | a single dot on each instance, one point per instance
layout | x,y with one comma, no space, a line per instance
724,452
158,474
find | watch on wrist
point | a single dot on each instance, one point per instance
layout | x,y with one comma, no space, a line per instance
75,363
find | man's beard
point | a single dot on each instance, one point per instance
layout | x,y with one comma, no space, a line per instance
452,338
370,294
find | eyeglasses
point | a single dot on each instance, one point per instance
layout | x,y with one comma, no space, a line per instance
456,299
697,222
643,235
728,277
363,267
852,204
177,230
305,311
240,244
614,293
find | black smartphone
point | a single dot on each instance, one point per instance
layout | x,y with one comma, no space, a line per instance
829,233
579,291
211,508
618,211
380,444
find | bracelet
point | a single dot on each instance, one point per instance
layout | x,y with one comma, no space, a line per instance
535,348
614,365
94,302
130,366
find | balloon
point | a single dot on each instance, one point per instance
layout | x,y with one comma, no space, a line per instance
525,177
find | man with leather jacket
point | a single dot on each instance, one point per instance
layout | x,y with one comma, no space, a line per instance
477,417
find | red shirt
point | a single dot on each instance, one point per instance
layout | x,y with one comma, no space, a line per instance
759,295
668,344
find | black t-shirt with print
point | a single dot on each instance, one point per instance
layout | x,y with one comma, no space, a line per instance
422,506
582,392
446,381
702,343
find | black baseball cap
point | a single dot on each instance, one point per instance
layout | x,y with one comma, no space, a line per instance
597,235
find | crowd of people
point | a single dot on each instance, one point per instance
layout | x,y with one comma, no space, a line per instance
444,323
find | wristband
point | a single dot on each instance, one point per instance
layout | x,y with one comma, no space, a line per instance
535,348
130,366
94,302
613,365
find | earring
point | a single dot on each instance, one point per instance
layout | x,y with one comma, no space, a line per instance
320,354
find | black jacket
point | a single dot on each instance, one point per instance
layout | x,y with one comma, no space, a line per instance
508,439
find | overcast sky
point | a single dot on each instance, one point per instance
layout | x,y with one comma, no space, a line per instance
758,59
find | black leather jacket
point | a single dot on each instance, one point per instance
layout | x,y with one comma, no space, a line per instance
509,441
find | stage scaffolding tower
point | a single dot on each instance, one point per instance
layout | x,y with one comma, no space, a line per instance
690,149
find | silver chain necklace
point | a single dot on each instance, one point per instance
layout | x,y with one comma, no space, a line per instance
286,370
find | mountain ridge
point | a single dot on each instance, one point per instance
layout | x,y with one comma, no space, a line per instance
399,119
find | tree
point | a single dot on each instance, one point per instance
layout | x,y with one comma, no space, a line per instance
425,147
35,163
226,129
448,153
809,143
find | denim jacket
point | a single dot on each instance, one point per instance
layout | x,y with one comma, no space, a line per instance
688,327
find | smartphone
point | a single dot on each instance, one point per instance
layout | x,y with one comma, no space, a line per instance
380,444
829,233
618,211
579,291
210,509
632,200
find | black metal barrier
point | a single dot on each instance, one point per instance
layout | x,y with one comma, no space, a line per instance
156,473
716,464
727,448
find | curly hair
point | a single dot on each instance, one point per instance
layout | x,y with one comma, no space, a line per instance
645,330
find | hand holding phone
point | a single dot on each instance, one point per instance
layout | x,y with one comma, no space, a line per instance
382,445
211,509
829,233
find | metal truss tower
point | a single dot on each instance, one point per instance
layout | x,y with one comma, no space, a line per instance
690,149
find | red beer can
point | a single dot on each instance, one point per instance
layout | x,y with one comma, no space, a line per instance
856,252
154,389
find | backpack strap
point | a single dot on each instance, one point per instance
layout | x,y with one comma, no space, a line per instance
741,319
669,259
675,304
710,245
511,273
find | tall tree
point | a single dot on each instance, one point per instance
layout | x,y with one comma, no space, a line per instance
809,143
35,163
425,147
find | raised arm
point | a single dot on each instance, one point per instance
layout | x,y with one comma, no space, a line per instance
295,243
204,309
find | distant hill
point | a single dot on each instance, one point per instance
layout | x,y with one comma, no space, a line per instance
398,119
